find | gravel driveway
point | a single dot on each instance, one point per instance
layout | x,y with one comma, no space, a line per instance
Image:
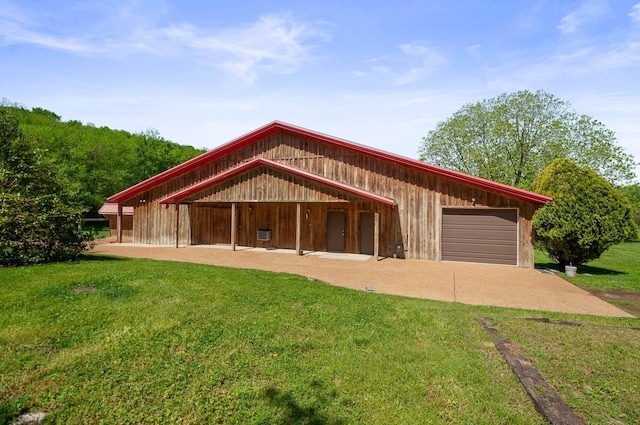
475,284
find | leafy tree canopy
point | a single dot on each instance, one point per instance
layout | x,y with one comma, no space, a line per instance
632,192
38,215
98,161
513,137
586,216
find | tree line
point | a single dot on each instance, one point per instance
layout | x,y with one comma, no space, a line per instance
97,162
54,172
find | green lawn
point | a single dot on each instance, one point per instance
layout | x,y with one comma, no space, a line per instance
618,268
97,229
134,341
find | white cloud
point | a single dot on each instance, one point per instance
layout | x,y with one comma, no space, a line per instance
582,63
588,11
428,60
273,44
8,11
412,63
635,13
475,51
531,16
14,33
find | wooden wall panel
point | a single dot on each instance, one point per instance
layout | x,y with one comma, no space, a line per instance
266,185
211,224
154,223
127,227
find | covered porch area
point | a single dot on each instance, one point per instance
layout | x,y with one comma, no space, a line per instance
336,227
265,204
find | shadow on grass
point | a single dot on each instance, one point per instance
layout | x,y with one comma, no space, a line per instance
596,271
11,409
294,413
88,257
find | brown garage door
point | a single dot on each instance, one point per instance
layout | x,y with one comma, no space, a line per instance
480,236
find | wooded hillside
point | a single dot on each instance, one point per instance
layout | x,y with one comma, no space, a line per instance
98,161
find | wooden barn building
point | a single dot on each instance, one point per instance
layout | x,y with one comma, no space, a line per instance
110,212
282,186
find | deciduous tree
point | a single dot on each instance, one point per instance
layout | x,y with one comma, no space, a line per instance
513,137
98,161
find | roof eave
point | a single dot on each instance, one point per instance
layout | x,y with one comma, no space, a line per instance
189,165
276,126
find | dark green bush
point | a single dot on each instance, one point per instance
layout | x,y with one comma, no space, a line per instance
632,192
38,215
586,217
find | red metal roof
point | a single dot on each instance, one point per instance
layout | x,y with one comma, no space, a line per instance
276,126
257,162
112,209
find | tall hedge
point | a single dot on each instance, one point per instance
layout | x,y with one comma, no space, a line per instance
38,216
586,217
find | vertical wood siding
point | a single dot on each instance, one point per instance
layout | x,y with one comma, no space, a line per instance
414,225
210,224
127,227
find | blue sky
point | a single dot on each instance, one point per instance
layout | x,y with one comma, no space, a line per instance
379,73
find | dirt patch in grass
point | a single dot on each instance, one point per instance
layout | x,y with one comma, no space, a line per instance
82,289
633,309
624,299
615,295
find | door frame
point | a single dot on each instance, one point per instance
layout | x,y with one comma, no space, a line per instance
369,232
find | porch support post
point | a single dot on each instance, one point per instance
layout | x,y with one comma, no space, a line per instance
233,226
376,235
119,224
177,223
298,232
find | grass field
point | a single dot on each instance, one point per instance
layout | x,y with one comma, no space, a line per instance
618,269
97,230
140,341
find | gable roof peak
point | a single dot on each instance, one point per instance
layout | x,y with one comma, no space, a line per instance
275,126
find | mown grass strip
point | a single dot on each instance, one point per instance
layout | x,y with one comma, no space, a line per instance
614,277
544,396
594,367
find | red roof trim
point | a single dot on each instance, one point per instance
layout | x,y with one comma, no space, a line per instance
257,162
276,126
